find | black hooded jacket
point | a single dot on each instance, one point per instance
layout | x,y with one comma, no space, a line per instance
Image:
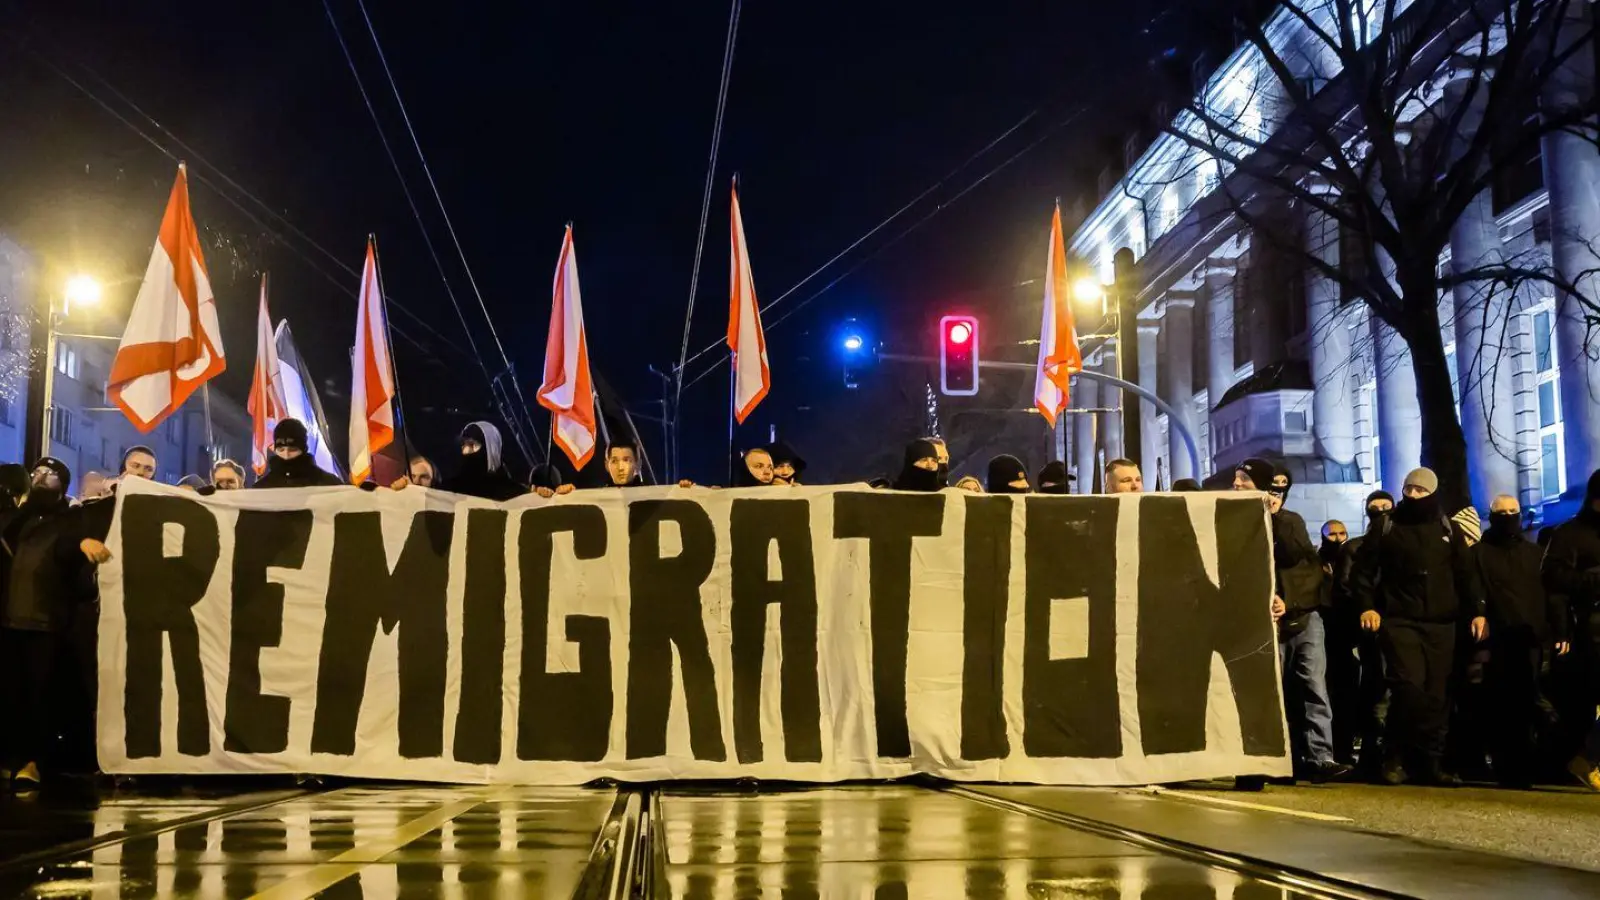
1417,567
482,474
44,572
300,472
1572,563
1509,565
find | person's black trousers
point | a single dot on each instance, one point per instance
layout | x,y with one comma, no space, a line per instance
1418,659
27,720
1517,654
1344,682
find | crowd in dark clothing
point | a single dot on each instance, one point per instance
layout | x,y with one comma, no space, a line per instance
1375,634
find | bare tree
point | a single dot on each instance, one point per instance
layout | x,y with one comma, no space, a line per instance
1391,119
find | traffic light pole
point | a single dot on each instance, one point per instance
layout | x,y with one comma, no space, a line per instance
1173,420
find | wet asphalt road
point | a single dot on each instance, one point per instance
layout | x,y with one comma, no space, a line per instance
878,841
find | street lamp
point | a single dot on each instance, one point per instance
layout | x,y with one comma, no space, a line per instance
79,291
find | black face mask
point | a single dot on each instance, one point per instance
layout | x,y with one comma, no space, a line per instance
41,495
1505,524
919,479
1376,516
1329,551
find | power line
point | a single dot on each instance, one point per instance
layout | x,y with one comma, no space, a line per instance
513,422
705,200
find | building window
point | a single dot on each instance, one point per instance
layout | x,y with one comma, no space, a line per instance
1294,423
62,427
1552,451
66,361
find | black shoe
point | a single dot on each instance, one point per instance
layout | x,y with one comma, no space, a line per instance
1392,774
1250,783
1322,773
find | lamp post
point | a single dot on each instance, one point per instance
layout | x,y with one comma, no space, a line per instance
79,291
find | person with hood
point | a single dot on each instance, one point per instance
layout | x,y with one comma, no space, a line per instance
941,451
1006,476
919,471
1413,581
754,469
1054,478
1253,475
1302,643
46,569
1527,625
1572,570
291,465
481,472
787,465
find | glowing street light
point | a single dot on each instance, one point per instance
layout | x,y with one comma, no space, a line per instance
82,290
1088,289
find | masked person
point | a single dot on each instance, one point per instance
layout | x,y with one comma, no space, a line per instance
1572,569
481,472
1054,479
1413,581
1527,626
291,464
1006,476
919,471
48,570
1185,485
754,469
787,465
1366,720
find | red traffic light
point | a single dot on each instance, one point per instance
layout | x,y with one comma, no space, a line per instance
958,356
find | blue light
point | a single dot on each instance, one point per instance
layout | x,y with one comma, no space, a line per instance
853,343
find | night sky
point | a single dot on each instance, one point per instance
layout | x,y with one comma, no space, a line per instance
597,113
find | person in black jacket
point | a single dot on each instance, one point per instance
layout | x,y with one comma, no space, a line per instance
1572,570
1302,642
46,570
1527,624
291,465
1372,697
1413,581
481,472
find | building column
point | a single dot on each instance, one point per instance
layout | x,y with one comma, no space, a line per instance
1085,395
1572,176
1111,399
1149,435
1483,359
1179,363
1219,326
1399,416
1332,401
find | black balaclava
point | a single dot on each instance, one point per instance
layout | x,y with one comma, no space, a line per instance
1504,527
1376,516
913,478
944,467
783,453
545,476
1003,470
291,433
1053,478
1259,472
1288,479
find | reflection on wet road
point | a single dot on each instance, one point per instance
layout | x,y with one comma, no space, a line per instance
894,842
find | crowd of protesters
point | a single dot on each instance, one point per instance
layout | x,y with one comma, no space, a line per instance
1425,650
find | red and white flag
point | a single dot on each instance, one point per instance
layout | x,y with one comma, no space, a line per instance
567,390
1059,358
173,343
266,393
372,417
751,377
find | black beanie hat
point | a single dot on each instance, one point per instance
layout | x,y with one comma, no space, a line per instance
290,433
1378,495
1259,471
58,467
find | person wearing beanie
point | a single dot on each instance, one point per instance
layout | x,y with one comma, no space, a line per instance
1185,485
47,570
1253,475
1006,476
1414,582
291,464
1054,479
919,469
1572,569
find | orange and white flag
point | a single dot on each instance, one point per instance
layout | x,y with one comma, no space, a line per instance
173,343
266,393
372,417
567,390
1059,357
751,376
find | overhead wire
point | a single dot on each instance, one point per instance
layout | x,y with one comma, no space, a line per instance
716,364
433,185
705,201
200,177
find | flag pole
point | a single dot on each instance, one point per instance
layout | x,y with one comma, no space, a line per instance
733,403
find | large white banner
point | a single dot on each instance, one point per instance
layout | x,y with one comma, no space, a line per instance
813,634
